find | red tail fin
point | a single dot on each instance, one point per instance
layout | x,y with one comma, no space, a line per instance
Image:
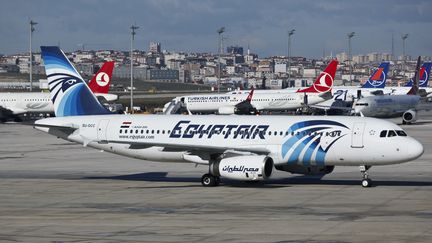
324,81
249,98
101,81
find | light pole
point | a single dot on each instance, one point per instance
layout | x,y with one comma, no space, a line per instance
220,32
290,33
350,35
404,37
133,28
32,29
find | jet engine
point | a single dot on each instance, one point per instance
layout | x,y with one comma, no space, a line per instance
227,110
306,170
244,168
409,116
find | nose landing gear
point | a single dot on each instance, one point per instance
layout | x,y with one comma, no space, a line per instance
366,181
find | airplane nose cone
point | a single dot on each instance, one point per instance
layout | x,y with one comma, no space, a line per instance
415,149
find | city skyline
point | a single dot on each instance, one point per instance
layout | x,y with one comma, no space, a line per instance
190,26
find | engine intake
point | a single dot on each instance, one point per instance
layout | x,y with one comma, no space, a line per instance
409,116
244,168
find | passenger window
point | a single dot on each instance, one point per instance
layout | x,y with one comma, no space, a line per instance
401,133
383,134
391,133
121,131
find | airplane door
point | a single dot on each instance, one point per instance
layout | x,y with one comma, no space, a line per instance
357,135
102,130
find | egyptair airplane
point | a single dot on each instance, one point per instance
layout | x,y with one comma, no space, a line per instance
13,104
230,103
231,146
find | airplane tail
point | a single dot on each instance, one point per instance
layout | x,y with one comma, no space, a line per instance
423,77
415,87
378,79
249,97
69,93
100,83
324,81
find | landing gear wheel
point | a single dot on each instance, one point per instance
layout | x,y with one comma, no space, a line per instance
209,180
366,183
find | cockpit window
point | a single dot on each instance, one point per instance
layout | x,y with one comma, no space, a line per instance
391,133
401,133
383,134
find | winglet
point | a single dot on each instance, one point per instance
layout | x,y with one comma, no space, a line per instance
378,78
324,81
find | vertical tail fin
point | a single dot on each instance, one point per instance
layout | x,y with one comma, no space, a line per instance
423,77
415,88
100,83
69,93
378,79
324,81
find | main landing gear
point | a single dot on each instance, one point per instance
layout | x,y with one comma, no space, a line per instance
210,180
366,182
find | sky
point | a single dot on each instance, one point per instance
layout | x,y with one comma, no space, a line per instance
191,25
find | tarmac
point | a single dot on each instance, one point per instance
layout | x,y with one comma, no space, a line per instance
52,190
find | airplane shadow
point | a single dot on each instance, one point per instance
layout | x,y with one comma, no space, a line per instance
283,182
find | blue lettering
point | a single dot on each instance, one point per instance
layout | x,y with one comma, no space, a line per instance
176,132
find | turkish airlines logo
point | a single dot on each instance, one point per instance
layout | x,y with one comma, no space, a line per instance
324,83
102,79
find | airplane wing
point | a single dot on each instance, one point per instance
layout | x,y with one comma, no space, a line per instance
193,149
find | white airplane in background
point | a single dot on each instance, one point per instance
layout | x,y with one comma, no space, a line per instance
231,146
12,104
406,105
245,103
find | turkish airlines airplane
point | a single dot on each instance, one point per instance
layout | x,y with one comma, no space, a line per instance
238,103
12,104
231,146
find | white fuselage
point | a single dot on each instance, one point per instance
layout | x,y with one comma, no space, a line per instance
306,140
20,103
260,101
386,105
34,102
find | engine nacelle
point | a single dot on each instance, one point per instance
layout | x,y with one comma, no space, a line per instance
227,110
244,168
306,170
409,116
